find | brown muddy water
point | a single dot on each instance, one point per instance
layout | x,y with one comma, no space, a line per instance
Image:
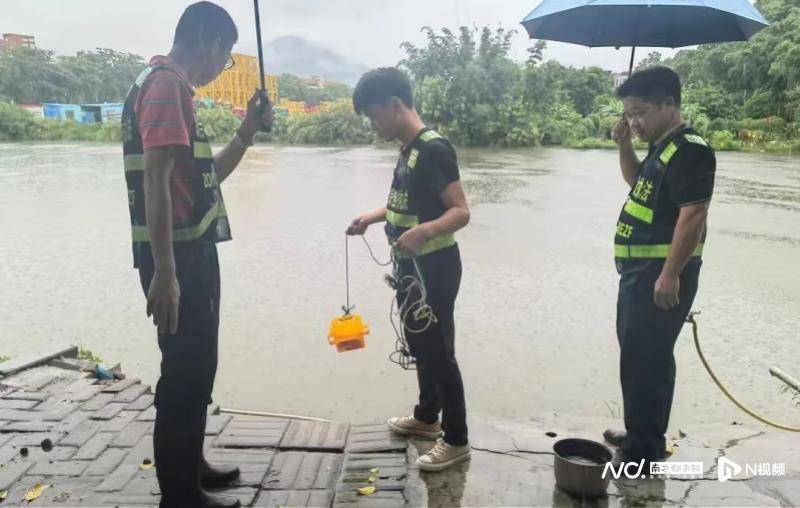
535,316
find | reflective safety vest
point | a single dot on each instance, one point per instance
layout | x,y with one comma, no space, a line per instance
208,220
644,230
403,210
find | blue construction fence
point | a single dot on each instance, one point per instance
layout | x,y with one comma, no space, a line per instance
83,113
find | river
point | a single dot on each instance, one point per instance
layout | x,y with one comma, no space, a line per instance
535,316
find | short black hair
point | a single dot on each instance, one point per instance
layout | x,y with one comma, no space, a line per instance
205,22
378,86
653,84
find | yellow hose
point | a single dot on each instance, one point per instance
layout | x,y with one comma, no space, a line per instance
725,390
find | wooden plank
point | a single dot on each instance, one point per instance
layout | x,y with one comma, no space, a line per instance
252,434
59,468
95,446
132,434
374,438
97,402
13,472
357,470
131,393
295,470
143,402
86,394
81,434
239,456
18,404
119,422
294,498
323,436
109,411
381,499
23,395
121,385
215,424
117,480
25,362
106,463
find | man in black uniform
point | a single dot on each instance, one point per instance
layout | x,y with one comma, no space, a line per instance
658,247
426,206
177,218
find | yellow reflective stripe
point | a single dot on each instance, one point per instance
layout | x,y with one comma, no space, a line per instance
142,234
694,138
401,219
667,153
438,243
429,135
641,212
134,162
202,150
649,251
412,158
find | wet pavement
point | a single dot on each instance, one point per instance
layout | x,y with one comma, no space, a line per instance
90,442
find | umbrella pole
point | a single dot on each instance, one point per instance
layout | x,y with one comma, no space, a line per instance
263,101
630,67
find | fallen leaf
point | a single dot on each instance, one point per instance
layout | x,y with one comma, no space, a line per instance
670,449
3,494
366,491
35,491
145,465
374,475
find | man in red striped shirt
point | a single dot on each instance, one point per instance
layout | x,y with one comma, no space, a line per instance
177,218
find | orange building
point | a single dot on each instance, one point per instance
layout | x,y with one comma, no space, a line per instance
236,85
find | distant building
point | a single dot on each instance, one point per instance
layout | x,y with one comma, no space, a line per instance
11,41
83,113
63,112
235,86
35,109
620,78
102,113
314,82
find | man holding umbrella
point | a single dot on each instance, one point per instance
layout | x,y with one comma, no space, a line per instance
658,247
662,228
177,218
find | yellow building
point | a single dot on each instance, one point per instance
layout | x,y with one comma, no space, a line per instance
236,85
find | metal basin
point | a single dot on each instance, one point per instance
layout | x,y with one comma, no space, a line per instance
579,465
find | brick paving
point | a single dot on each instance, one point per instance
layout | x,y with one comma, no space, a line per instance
88,440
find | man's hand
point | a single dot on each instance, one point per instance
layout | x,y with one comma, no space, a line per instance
358,226
162,301
665,293
254,119
622,133
412,240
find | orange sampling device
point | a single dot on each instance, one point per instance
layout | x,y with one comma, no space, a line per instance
348,331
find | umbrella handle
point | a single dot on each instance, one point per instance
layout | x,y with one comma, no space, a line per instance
263,99
630,67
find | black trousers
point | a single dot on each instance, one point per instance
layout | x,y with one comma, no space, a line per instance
647,336
188,368
441,389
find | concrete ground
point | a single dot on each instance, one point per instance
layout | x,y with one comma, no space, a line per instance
90,442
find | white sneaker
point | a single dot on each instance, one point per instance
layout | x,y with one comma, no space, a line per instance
410,426
443,456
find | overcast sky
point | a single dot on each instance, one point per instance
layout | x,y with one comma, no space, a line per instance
366,32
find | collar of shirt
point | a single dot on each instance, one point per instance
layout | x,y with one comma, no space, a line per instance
407,147
669,136
175,66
